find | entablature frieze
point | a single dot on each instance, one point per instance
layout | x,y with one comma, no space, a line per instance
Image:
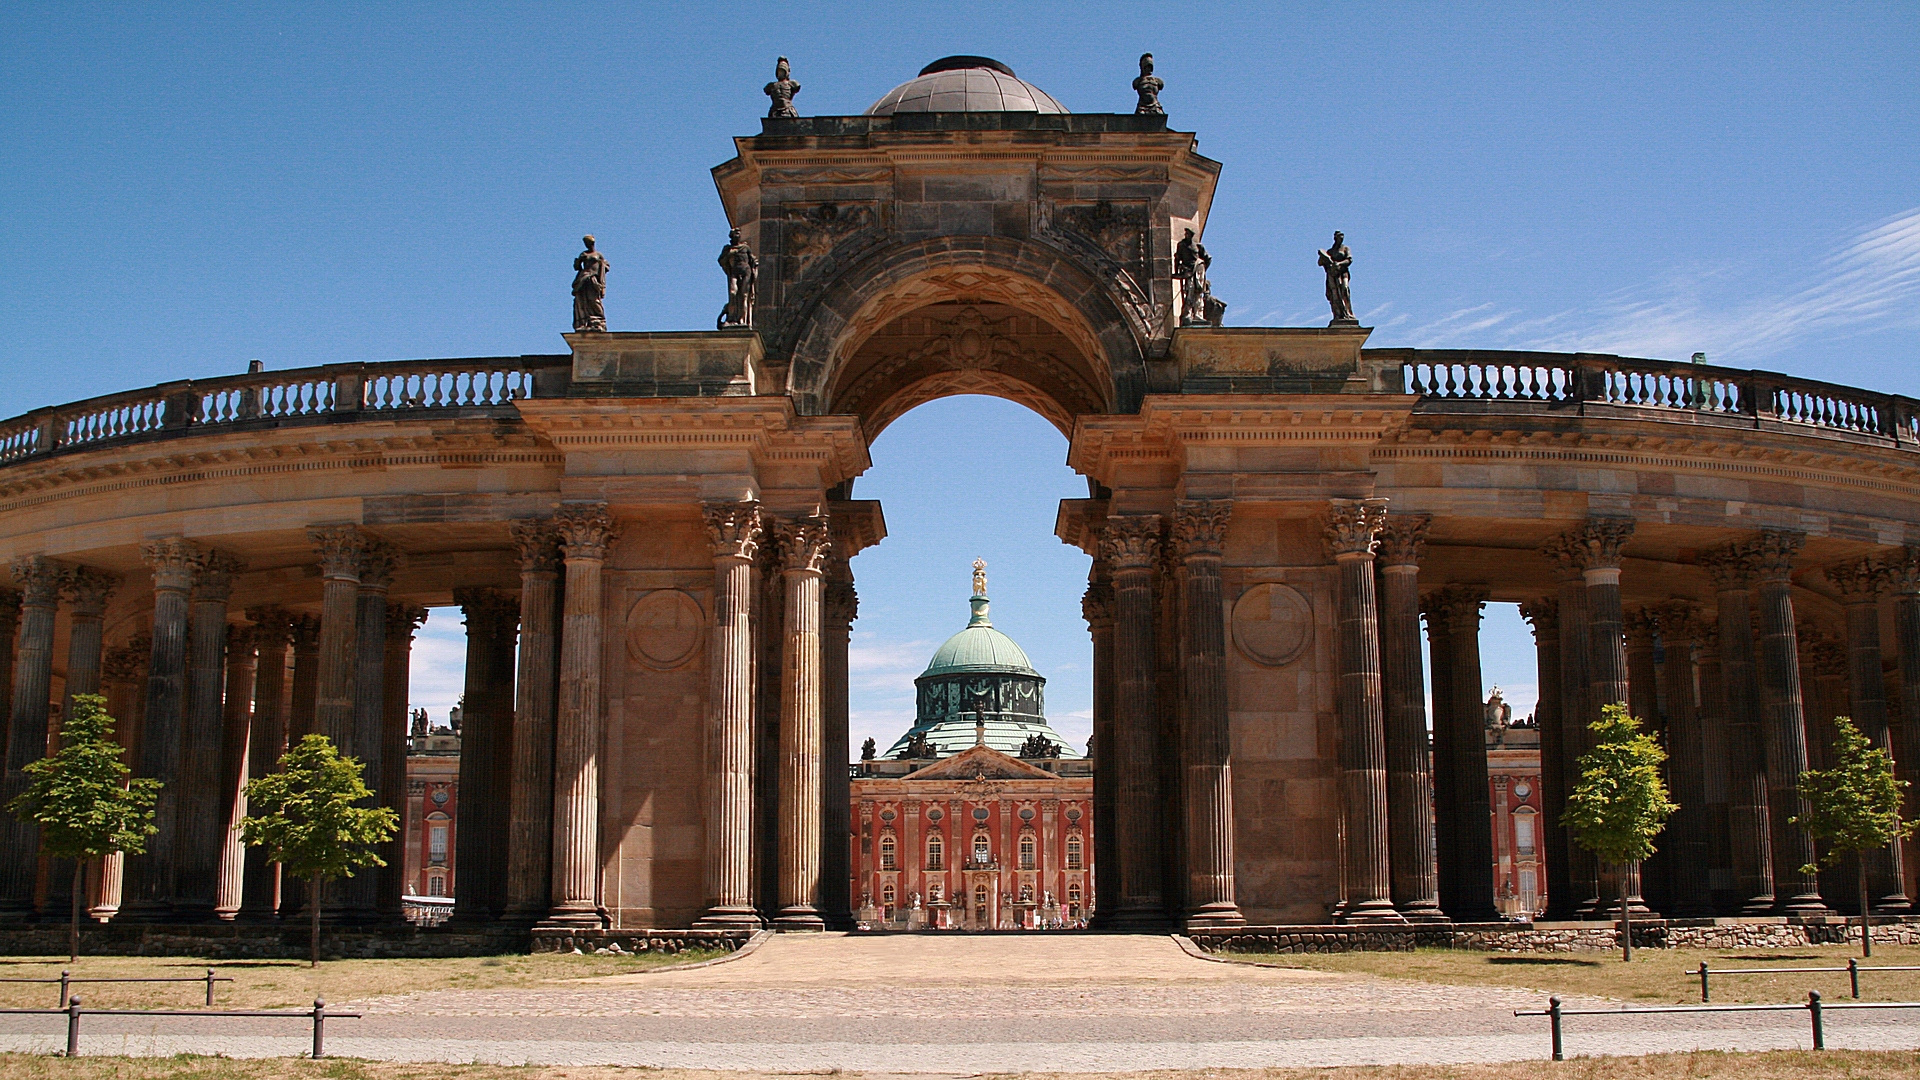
1173,430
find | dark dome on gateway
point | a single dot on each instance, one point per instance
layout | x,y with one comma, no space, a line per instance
966,84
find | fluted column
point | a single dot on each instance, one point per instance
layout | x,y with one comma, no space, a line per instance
734,530
585,532
1688,854
1544,615
340,548
402,620
303,703
1641,627
123,681
173,561
88,590
1600,541
1749,809
1131,546
202,810
1349,534
804,546
1785,722
1581,897
40,580
1903,581
1716,752
1416,884
1861,584
9,634
1096,607
1446,789
477,845
1466,879
236,751
840,607
272,635
1199,533
536,695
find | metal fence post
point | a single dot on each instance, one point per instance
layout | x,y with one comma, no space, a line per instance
1706,992
209,988
319,1029
1813,1008
73,1027
1853,976
66,985
1553,1015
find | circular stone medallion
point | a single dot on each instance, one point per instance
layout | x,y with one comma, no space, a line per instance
1272,623
664,628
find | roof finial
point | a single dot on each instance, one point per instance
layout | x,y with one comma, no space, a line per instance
979,577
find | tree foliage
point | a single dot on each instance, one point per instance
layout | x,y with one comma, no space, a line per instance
1854,806
1620,802
310,814
82,797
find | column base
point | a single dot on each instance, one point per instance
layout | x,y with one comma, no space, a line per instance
1423,911
799,918
1210,916
1372,911
1139,917
1896,904
730,917
1757,906
1806,904
572,917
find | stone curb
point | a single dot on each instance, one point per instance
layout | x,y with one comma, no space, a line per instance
1187,946
753,943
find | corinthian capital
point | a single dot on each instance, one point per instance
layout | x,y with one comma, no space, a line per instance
1600,541
1351,525
1200,527
403,619
1567,554
272,626
1455,607
1680,623
804,543
840,603
126,663
1733,567
9,611
539,545
340,548
1096,605
1641,624
1861,582
1131,542
213,577
1902,571
487,611
1775,551
377,563
1403,539
1544,614
585,529
89,589
40,580
734,528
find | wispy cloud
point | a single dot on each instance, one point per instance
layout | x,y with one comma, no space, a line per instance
1872,280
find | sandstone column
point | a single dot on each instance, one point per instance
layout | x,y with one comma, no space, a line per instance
1581,897
1446,789
372,577
272,634
804,546
173,562
1350,535
1785,720
40,580
1096,607
123,681
1688,854
536,695
236,749
303,704
1466,879
1600,541
1861,584
1416,885
1716,749
9,633
1199,532
1544,615
585,532
1903,580
1131,546
341,548
840,607
89,590
477,844
202,811
1649,879
402,620
1749,811
734,530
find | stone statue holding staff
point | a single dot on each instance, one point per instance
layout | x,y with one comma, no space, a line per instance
1338,262
742,268
590,289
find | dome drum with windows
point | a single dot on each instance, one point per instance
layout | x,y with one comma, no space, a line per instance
979,689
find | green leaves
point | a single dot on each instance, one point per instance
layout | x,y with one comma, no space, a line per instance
1620,803
1854,806
309,815
81,797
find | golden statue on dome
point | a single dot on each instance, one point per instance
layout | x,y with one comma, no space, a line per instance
979,577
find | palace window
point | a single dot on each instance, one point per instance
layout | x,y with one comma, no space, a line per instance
936,852
887,895
1073,892
1073,851
436,886
437,844
982,849
886,852
1523,833
1026,852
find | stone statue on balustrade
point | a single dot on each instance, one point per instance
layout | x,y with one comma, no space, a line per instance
1338,263
590,289
1197,305
1148,86
782,90
742,268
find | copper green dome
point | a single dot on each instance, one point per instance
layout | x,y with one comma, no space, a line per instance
979,648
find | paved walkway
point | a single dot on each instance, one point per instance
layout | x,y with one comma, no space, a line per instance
965,1005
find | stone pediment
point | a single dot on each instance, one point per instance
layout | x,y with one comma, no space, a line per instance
980,763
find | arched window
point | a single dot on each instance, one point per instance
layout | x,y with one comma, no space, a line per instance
1073,892
1026,851
1073,851
887,895
1523,832
982,849
436,886
936,852
886,852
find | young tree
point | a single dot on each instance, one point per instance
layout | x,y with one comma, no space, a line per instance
1853,807
1620,803
84,801
312,819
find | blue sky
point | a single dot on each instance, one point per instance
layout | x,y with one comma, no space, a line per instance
184,188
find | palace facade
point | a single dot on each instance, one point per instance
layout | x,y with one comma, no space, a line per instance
653,536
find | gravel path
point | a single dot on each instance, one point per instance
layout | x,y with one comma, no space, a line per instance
961,1005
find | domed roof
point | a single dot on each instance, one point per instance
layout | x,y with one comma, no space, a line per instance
965,84
979,648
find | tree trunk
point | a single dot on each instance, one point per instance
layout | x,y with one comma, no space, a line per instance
73,925
313,936
1866,924
1626,916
